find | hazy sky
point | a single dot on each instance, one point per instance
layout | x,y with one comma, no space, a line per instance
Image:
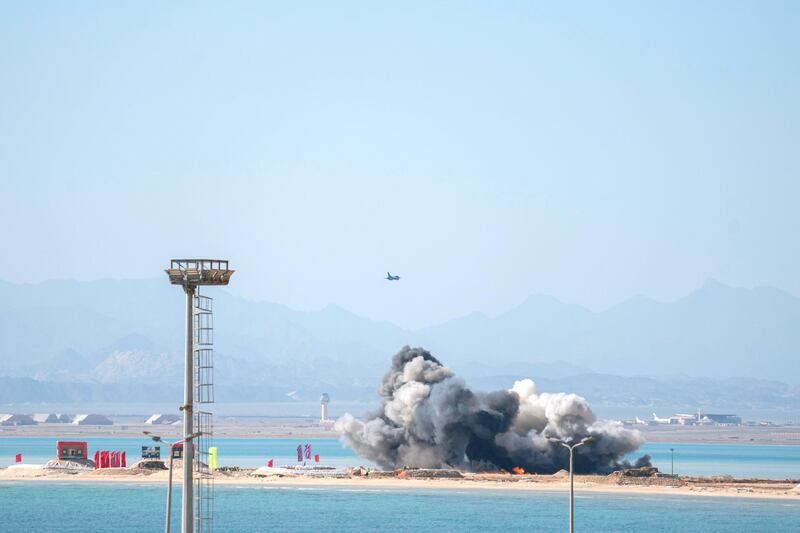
483,151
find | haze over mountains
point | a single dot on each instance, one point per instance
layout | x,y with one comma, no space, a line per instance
121,341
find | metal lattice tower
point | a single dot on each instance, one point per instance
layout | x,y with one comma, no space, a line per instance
198,387
203,350
203,475
203,421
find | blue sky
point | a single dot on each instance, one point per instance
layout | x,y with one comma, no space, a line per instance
484,151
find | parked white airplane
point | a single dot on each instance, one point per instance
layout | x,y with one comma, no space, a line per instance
660,420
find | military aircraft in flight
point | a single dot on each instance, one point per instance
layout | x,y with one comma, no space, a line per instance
391,278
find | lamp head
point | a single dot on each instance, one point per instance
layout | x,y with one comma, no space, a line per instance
156,438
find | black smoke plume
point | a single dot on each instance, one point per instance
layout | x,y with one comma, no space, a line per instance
430,419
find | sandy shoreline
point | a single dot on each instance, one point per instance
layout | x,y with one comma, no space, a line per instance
758,489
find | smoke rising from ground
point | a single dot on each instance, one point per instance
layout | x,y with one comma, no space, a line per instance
429,418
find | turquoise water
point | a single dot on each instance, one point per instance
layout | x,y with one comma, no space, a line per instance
69,507
232,452
740,460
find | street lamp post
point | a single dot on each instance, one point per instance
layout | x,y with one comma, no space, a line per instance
672,462
171,445
571,448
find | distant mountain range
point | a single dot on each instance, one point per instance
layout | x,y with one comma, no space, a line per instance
119,340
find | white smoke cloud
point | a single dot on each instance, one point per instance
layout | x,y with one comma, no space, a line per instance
431,419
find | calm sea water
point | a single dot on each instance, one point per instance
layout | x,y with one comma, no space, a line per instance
232,452
70,507
740,460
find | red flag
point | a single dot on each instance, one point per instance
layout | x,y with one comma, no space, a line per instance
308,451
316,457
18,458
124,463
97,459
269,463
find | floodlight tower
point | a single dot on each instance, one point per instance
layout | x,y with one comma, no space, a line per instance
190,274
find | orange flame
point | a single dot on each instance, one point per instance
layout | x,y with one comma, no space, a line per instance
518,470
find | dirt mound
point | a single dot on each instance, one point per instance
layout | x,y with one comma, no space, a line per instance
430,473
116,471
149,465
70,465
644,471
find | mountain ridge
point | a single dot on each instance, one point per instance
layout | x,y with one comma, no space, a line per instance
716,331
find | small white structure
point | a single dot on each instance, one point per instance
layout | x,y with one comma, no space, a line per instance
17,420
160,419
324,400
92,420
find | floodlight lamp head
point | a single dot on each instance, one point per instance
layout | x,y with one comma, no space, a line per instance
195,272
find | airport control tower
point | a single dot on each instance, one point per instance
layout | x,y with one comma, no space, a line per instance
324,400
198,384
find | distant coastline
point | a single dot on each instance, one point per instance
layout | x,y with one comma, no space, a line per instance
294,428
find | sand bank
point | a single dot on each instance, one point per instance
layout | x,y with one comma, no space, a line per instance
471,482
